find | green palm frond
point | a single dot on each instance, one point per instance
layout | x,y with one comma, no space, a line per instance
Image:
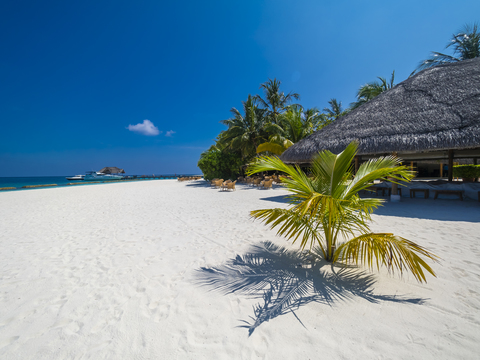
275,101
371,90
276,149
292,225
326,209
287,143
394,252
386,167
466,45
333,170
245,131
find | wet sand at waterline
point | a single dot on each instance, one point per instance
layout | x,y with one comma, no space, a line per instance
170,270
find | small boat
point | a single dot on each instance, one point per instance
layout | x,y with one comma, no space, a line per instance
76,177
96,176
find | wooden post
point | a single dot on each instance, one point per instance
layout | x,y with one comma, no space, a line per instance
450,165
475,163
441,170
411,165
356,163
394,188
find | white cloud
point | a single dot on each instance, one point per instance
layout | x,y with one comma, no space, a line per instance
146,128
169,133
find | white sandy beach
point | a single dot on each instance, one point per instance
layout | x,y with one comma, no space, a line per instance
160,270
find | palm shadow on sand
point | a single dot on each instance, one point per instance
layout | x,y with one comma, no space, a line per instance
287,279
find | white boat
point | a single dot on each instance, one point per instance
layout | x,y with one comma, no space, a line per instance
76,177
96,176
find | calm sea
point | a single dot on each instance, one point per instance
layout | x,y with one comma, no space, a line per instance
18,182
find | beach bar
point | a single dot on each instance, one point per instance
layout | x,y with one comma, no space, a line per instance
433,116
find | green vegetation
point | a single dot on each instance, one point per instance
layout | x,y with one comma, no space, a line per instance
272,123
275,100
326,212
265,125
334,112
217,164
292,126
368,91
465,44
466,171
245,132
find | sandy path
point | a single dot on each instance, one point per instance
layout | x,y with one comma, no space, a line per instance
159,270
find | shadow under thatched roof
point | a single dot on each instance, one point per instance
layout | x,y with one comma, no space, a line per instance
436,110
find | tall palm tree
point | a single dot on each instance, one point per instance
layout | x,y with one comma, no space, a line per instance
368,91
293,125
326,210
275,100
245,132
335,110
331,113
466,45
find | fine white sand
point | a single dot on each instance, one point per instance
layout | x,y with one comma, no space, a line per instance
161,270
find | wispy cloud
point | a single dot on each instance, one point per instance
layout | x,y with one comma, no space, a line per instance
169,133
146,128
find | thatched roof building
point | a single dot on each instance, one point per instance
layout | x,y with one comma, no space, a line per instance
112,170
424,117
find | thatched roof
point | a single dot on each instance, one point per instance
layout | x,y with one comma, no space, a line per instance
112,170
437,109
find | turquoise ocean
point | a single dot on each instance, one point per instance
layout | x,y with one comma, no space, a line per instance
19,182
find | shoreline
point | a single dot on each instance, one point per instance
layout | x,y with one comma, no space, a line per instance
164,269
64,184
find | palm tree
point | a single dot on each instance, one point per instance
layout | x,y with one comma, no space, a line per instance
326,209
313,119
368,91
335,110
466,45
245,132
331,113
275,100
293,125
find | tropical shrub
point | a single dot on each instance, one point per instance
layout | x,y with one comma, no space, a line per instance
326,211
466,171
219,164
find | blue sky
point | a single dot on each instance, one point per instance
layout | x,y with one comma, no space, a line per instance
75,74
